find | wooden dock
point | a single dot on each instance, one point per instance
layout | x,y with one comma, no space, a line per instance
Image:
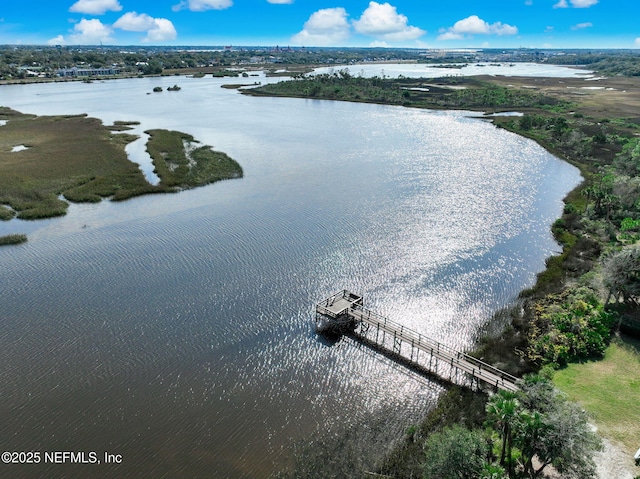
343,313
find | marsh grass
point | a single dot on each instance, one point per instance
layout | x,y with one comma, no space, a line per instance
123,125
6,213
179,163
12,239
74,156
609,390
81,160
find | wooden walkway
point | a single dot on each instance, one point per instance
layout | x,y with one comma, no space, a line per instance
343,313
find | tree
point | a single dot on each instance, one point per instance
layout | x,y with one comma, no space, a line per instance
531,431
455,453
502,412
152,68
569,443
621,273
555,431
601,193
628,161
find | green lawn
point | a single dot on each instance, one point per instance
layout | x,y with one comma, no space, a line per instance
610,391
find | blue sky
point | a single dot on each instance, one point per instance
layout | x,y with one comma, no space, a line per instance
396,23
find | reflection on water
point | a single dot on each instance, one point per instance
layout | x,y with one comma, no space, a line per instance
176,329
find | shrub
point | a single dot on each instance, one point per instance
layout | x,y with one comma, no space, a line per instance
455,453
570,326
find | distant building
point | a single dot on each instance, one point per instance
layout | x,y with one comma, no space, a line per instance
87,72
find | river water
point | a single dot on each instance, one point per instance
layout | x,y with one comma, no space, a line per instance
176,330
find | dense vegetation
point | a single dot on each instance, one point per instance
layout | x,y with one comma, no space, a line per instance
569,327
600,226
626,63
454,92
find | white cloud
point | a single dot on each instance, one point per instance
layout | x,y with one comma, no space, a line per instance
158,29
90,32
327,26
581,26
95,7
450,36
583,3
575,3
162,30
471,25
59,40
475,25
134,22
203,5
637,42
280,2
499,28
382,21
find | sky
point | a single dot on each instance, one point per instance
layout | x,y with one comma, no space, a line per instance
341,23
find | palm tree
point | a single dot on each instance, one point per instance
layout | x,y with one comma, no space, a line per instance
531,437
502,412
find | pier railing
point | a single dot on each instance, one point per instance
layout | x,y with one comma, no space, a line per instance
345,313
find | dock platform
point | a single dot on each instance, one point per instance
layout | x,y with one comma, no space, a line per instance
344,313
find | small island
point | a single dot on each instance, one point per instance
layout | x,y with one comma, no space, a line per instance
12,239
77,158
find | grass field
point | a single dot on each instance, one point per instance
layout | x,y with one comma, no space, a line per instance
610,391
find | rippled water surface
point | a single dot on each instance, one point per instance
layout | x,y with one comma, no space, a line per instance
176,330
